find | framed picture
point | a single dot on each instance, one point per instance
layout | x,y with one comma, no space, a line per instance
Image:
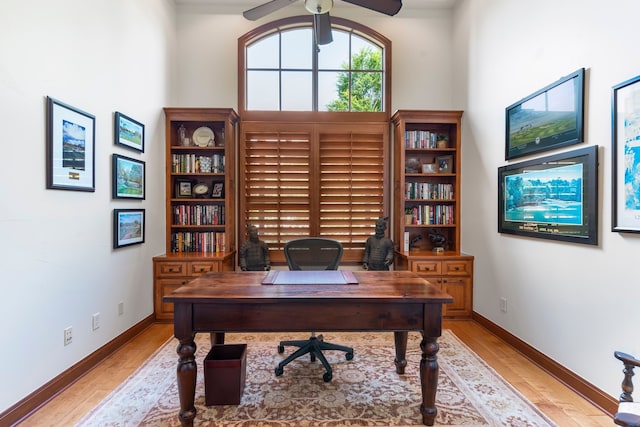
626,156
71,140
547,119
128,227
218,190
128,178
184,188
128,132
429,168
445,164
554,197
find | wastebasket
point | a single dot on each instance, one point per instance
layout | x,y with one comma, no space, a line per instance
224,374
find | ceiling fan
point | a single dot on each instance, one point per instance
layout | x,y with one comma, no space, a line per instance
320,10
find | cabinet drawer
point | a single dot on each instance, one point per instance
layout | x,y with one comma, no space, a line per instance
426,267
172,269
456,268
198,268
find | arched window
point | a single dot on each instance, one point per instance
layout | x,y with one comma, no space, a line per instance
282,69
314,133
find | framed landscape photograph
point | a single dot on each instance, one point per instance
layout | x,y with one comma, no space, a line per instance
547,119
71,143
128,227
184,188
554,197
626,156
128,178
128,132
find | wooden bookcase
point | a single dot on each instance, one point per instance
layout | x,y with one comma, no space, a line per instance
427,202
200,199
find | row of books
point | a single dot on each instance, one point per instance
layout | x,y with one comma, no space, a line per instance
420,139
428,191
432,214
206,242
190,163
198,215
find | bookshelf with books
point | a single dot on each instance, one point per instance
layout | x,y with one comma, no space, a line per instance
426,203
200,199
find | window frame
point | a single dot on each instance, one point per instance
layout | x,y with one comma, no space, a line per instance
251,119
307,21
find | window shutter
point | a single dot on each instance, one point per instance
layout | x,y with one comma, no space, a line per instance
305,179
351,183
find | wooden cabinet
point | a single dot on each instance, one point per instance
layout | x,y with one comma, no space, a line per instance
174,270
452,274
426,205
200,198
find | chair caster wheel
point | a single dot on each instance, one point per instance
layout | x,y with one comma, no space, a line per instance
327,377
280,349
279,371
348,356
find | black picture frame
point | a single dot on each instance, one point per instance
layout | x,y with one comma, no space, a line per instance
127,178
128,227
184,188
71,141
128,132
553,197
550,118
625,158
217,190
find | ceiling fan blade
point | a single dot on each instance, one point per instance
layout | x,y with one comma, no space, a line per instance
265,9
322,28
388,7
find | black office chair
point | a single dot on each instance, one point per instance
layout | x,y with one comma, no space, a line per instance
312,253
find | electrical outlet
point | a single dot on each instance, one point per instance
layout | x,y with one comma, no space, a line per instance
96,321
120,308
503,304
68,336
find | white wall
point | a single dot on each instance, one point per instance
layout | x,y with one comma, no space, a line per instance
58,265
575,303
421,49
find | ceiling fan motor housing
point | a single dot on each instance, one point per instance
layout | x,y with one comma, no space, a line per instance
318,7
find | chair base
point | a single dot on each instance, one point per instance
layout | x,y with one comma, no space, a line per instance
314,346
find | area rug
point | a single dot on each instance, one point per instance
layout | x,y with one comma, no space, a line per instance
365,391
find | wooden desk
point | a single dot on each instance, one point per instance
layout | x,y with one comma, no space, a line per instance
395,301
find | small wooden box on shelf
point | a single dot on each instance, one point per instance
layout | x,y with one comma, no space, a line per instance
200,199
426,203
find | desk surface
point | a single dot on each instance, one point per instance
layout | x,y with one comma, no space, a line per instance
391,286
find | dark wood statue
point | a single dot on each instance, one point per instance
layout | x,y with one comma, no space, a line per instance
378,251
254,253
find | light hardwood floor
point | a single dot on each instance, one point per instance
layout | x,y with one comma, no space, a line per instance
561,404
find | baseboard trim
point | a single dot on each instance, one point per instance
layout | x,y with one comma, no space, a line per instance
39,397
585,389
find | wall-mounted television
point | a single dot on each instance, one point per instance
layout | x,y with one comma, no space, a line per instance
553,197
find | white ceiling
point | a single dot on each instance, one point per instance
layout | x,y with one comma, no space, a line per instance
242,5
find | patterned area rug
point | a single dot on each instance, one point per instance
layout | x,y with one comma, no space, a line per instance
365,391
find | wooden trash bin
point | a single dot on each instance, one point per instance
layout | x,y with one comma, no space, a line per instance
224,374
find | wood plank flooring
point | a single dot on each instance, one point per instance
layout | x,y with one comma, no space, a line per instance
561,404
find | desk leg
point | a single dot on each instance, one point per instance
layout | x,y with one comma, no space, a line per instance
187,372
429,379
400,338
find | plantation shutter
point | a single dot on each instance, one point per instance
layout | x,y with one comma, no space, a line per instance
300,180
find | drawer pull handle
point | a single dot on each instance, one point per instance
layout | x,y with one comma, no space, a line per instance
201,269
171,270
457,268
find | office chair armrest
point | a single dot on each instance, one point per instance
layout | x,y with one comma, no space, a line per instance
627,359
